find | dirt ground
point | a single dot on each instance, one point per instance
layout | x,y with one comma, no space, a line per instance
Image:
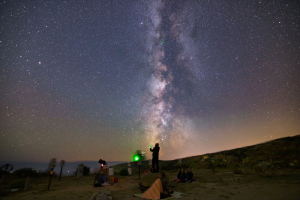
221,185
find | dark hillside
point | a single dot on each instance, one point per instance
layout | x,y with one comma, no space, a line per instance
283,152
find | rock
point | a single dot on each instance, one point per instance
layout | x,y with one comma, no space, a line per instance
102,196
148,179
94,195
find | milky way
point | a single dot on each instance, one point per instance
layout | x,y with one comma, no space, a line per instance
165,117
82,80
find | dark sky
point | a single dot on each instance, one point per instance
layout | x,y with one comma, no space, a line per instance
84,80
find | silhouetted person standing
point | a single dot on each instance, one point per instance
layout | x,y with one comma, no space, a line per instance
155,151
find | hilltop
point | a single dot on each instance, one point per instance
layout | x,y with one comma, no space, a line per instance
282,152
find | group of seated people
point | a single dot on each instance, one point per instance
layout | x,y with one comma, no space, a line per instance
183,177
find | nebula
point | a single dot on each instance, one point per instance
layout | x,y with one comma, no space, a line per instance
164,117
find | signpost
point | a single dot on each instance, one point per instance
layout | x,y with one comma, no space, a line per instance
62,164
179,162
213,164
52,165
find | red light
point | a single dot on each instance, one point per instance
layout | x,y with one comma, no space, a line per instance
101,166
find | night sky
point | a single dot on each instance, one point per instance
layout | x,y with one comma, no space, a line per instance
84,80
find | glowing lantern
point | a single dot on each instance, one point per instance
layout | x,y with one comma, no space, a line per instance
111,179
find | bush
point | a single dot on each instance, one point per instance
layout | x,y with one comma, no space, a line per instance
17,184
124,172
25,172
86,171
237,169
3,172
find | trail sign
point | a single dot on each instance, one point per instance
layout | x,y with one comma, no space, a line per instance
179,161
52,163
62,163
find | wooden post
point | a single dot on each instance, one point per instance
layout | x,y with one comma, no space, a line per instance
62,164
213,164
139,163
2,178
27,184
60,173
180,162
51,172
139,171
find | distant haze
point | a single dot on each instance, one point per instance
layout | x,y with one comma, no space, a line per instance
68,169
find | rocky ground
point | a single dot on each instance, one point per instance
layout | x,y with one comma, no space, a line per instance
224,184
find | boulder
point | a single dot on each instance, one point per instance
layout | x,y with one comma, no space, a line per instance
102,196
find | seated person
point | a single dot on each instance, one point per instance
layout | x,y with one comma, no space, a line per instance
159,189
97,181
164,182
100,178
189,176
180,176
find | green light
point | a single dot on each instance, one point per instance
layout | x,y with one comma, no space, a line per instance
136,158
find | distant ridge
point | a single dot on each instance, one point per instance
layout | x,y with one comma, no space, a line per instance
281,139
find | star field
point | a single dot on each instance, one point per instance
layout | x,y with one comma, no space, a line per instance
84,80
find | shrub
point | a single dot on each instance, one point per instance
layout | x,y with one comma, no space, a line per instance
237,171
86,171
124,172
3,172
25,172
17,184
